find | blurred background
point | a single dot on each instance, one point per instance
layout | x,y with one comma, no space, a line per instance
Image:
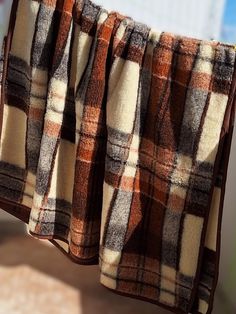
35,277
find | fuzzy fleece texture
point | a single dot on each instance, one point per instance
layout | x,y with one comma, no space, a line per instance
115,143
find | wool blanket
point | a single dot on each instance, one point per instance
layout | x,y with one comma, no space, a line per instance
115,141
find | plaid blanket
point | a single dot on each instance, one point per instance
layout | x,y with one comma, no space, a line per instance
115,145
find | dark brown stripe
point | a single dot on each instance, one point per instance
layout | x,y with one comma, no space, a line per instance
222,156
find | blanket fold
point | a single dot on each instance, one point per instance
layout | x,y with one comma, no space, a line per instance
115,142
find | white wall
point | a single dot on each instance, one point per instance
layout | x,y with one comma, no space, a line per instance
196,18
5,7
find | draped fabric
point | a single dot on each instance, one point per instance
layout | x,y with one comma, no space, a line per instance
115,144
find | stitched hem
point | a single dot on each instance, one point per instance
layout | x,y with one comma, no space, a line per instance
223,152
133,296
22,212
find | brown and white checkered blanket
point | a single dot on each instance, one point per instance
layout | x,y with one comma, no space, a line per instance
115,145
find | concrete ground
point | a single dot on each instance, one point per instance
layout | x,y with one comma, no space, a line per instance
36,278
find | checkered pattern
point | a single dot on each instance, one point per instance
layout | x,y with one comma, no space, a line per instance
115,143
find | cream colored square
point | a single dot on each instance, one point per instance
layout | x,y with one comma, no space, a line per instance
63,172
205,66
168,278
82,43
130,171
202,306
27,201
206,50
111,257
209,139
30,184
192,230
12,148
212,226
56,101
34,213
109,269
134,147
108,282
121,31
24,29
39,82
115,74
81,48
121,105
31,179
68,41
53,116
58,90
167,298
102,17
154,35
107,197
